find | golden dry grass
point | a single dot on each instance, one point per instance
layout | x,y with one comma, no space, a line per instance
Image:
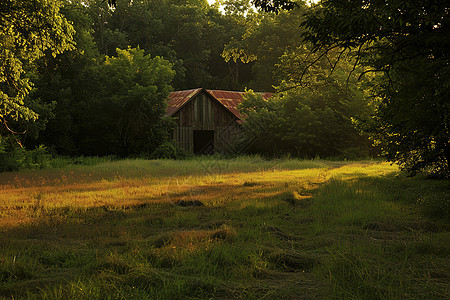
26,196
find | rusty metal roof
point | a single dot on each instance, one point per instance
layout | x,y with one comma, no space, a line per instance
229,99
177,99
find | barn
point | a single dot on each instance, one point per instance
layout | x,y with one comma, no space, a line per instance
207,121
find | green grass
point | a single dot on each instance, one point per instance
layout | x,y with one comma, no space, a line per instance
214,228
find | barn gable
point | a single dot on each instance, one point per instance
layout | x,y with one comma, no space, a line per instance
207,120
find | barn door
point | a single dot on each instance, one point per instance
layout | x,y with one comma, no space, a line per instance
204,142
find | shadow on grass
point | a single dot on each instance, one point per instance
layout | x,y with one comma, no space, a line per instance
391,243
200,251
362,238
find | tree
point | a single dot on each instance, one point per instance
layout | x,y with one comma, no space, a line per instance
310,117
126,115
308,121
28,30
66,81
264,41
412,121
190,34
407,43
274,5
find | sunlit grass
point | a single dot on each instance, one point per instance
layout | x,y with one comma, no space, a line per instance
209,228
128,183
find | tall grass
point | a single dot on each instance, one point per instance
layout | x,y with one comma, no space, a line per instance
382,263
349,203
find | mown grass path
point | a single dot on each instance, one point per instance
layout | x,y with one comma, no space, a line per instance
205,228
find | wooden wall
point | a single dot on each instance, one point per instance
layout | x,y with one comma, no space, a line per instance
205,113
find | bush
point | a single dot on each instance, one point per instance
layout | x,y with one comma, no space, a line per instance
11,159
169,150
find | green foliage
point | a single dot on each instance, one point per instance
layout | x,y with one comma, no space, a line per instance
169,150
28,29
12,159
66,82
306,123
114,108
407,43
274,5
313,113
262,123
127,113
265,39
412,121
190,34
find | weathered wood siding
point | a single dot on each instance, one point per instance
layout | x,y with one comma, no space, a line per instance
205,113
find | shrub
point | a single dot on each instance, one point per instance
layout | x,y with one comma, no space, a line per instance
11,159
169,150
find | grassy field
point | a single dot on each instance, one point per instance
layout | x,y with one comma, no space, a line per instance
208,228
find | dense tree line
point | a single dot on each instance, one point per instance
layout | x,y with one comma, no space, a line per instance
314,113
106,96
103,90
85,78
405,44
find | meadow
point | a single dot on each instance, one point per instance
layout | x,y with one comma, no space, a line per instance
244,228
